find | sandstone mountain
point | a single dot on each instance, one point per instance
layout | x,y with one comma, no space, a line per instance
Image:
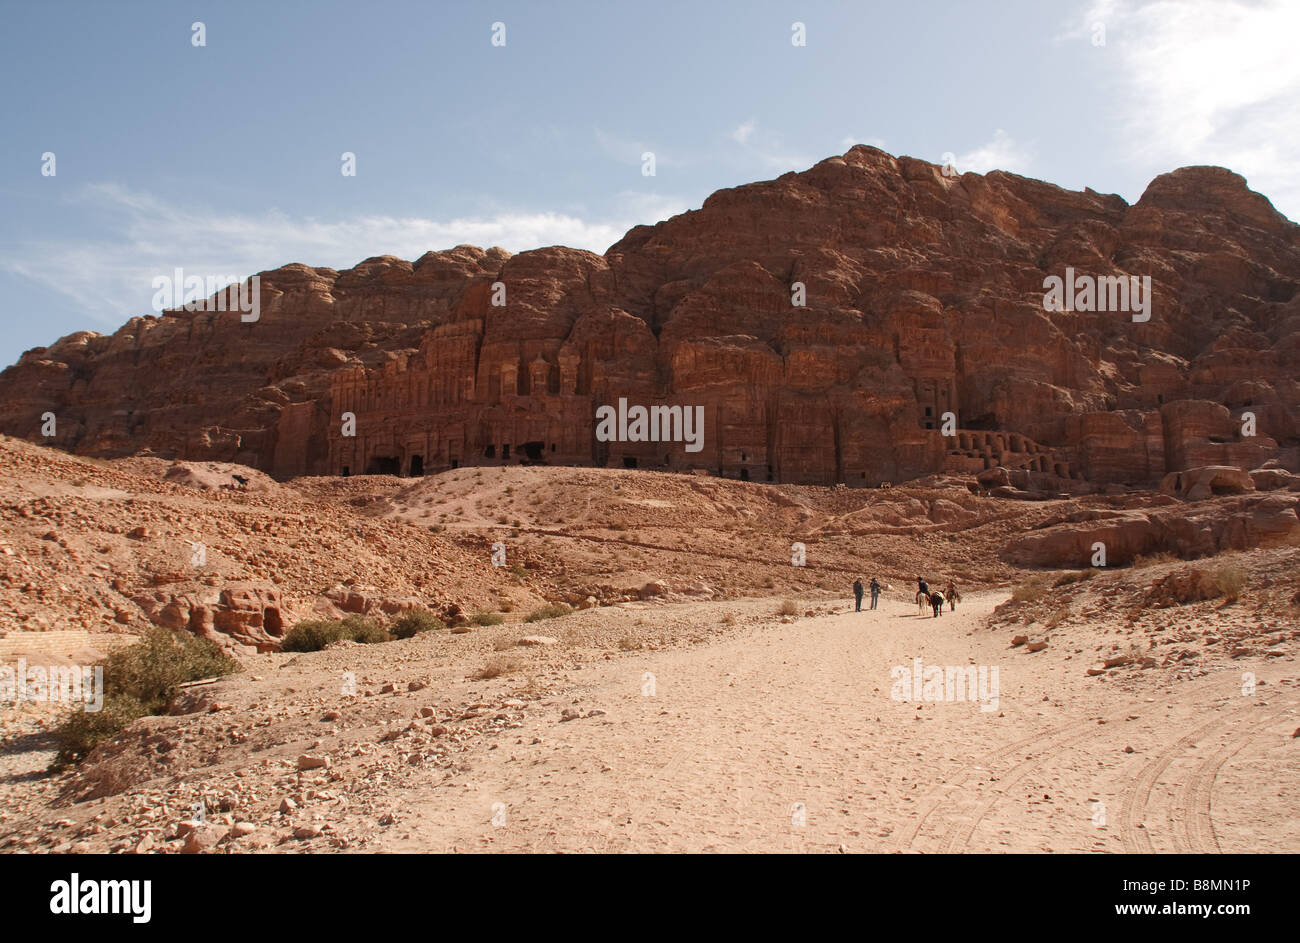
923,295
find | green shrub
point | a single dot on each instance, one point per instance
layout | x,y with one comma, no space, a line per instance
141,679
312,635
84,730
414,622
487,618
153,668
552,610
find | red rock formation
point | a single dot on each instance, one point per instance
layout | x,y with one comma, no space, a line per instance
923,295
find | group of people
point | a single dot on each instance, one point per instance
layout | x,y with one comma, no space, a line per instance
924,595
858,593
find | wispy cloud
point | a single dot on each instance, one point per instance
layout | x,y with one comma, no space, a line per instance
766,149
848,142
744,132
1001,152
110,276
1208,82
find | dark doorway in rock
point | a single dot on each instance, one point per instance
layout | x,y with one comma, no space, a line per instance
384,465
534,450
455,463
417,466
490,452
272,622
629,461
744,474
505,452
346,471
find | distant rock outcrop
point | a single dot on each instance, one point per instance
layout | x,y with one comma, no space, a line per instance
833,324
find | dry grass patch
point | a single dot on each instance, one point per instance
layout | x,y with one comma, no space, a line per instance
497,667
1031,590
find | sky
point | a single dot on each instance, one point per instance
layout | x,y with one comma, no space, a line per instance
524,124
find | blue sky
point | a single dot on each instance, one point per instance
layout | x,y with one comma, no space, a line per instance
225,159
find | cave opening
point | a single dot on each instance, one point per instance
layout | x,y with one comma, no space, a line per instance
384,465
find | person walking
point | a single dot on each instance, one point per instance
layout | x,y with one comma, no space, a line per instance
875,591
857,595
952,595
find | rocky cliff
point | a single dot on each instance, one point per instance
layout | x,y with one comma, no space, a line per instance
868,320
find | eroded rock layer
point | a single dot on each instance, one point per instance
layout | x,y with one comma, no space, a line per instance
923,296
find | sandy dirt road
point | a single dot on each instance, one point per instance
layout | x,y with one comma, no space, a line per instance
787,738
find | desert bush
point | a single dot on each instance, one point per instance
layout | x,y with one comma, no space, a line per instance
140,679
84,730
788,608
552,610
151,670
1196,585
312,635
487,618
409,624
495,668
1154,559
1075,576
1230,580
1030,591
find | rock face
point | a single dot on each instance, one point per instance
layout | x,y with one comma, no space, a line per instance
1201,530
249,616
868,320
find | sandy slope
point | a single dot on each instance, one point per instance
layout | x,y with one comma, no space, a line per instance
740,731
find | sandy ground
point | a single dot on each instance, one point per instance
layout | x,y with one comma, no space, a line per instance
786,738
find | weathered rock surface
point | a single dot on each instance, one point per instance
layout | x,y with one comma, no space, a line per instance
1187,530
924,296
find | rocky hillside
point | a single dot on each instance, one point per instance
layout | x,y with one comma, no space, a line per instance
825,321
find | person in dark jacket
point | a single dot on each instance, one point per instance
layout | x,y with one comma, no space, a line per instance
875,591
857,595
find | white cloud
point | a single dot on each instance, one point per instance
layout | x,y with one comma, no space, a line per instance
1209,82
744,132
767,149
110,277
999,153
848,142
